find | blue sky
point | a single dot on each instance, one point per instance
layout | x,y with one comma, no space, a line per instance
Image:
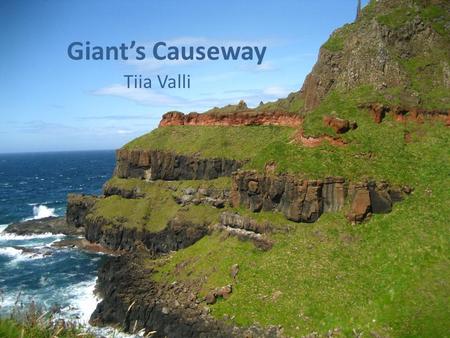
50,102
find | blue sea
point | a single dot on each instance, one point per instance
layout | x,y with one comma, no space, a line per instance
33,186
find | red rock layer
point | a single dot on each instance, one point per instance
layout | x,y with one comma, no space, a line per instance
379,111
232,119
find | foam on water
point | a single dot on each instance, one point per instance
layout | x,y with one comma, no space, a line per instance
42,211
18,255
4,236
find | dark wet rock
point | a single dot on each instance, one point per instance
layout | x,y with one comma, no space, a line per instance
54,225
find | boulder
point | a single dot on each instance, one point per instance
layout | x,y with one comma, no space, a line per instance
340,126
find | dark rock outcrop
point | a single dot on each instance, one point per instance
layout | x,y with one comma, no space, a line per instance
112,234
234,220
210,196
54,225
155,164
303,200
299,200
134,301
77,208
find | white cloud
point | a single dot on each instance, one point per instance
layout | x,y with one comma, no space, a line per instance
276,91
218,99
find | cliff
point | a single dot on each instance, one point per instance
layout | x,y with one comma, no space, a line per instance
400,48
249,118
154,164
208,211
303,200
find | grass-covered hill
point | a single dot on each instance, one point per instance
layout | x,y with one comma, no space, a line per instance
386,277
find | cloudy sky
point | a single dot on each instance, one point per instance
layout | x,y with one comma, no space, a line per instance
50,102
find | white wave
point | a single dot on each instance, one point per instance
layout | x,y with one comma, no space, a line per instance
3,227
83,301
4,236
42,211
19,255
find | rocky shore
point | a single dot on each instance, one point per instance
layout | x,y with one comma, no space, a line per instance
53,225
133,301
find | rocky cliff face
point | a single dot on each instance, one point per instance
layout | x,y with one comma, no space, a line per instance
132,299
155,164
382,49
115,236
303,200
250,118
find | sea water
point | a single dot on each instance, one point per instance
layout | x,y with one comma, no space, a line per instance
34,186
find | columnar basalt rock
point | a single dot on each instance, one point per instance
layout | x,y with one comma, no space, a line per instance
300,200
304,200
155,164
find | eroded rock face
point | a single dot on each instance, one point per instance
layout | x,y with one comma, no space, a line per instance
303,200
369,52
154,165
400,114
245,118
298,199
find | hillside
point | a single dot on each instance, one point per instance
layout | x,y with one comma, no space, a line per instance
321,214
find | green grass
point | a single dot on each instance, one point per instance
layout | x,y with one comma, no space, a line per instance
336,41
151,212
397,18
156,207
292,104
12,329
230,142
387,276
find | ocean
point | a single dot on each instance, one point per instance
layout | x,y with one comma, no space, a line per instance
33,186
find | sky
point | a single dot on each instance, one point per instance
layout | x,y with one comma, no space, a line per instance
49,102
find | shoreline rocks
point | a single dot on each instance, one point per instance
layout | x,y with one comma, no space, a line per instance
135,302
53,225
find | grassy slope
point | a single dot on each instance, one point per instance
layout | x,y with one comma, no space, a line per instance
156,208
389,275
